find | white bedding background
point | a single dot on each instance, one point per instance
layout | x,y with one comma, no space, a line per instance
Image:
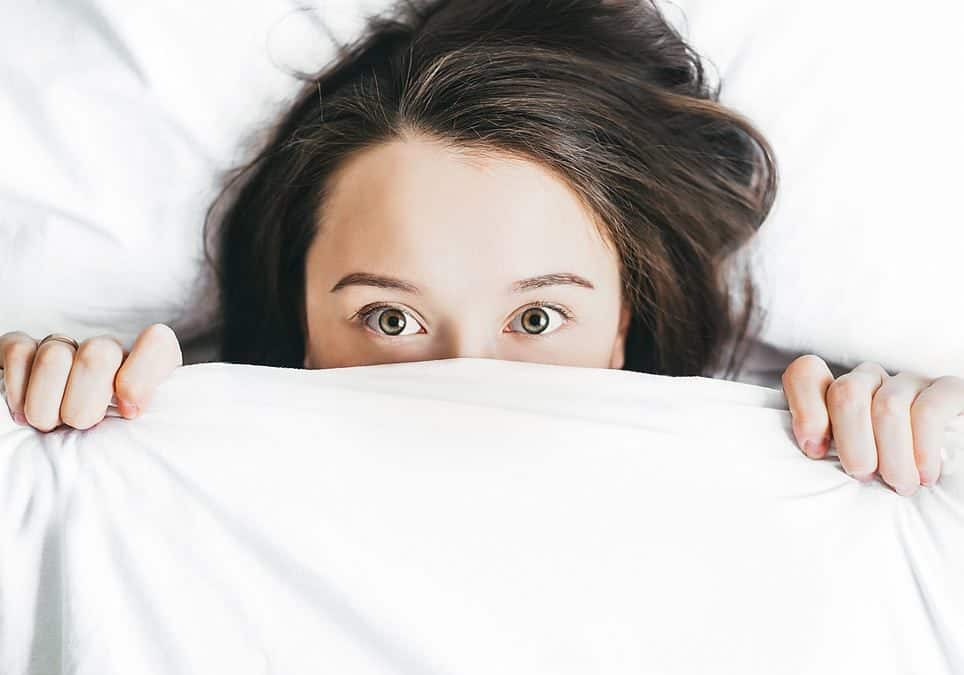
466,516
117,119
471,516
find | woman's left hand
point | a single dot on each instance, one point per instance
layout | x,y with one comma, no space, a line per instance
893,425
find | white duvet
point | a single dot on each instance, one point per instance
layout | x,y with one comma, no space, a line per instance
466,516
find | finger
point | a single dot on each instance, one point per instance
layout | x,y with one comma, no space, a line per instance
17,351
155,354
805,384
848,400
930,413
45,388
890,413
91,381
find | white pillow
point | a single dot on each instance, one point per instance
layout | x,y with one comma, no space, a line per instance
862,256
116,121
426,518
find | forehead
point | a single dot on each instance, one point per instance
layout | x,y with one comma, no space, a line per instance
418,208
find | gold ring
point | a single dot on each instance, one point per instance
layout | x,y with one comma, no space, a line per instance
60,338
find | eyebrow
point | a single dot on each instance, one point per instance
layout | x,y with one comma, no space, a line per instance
383,281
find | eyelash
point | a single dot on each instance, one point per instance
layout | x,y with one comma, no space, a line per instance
368,310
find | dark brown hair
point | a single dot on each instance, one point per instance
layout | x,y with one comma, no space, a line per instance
603,92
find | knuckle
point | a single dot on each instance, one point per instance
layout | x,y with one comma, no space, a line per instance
911,379
802,365
160,332
871,367
18,350
162,336
889,405
16,336
846,392
99,354
950,381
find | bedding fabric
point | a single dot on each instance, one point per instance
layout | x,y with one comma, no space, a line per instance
466,516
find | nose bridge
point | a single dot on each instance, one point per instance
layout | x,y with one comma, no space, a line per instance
468,340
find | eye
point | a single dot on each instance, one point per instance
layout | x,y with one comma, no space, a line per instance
539,320
390,321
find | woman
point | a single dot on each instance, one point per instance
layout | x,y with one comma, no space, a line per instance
536,180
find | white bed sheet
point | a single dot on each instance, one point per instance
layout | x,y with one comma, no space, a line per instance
466,516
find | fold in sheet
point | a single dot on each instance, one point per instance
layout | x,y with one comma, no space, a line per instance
466,516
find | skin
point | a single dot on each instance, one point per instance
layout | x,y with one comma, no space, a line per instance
890,425
444,238
488,223
53,383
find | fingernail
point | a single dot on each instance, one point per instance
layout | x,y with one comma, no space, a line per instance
813,449
19,418
906,490
128,410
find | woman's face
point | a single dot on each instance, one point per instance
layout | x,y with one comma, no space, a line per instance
425,252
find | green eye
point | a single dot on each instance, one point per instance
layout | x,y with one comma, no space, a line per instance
390,321
540,320
535,320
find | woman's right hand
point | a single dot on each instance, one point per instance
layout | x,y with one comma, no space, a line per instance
54,384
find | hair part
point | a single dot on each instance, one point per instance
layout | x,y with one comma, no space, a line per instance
604,93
